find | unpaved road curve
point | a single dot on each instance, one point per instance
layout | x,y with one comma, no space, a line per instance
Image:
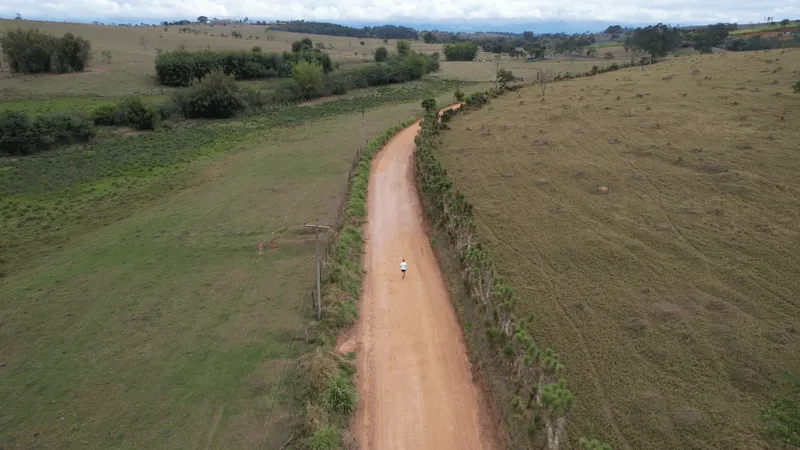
414,380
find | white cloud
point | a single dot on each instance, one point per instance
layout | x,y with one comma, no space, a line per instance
387,11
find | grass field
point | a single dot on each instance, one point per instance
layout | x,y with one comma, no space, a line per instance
673,297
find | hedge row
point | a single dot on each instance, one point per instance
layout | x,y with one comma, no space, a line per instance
182,68
540,393
328,391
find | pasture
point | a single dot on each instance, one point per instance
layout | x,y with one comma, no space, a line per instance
649,217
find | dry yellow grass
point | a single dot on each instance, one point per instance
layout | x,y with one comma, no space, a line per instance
134,49
673,296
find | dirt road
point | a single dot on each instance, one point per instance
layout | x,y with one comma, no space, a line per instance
414,380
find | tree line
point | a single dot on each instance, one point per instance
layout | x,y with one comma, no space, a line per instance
332,29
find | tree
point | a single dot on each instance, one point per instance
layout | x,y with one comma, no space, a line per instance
429,104
557,400
591,51
613,29
785,22
543,78
381,54
608,55
33,51
504,77
403,47
528,36
656,40
461,51
429,37
302,45
535,49
202,19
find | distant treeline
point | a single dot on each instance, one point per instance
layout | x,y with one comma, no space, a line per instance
332,29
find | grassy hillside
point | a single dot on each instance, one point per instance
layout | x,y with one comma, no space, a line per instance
671,293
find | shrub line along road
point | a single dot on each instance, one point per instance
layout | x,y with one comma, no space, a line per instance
414,379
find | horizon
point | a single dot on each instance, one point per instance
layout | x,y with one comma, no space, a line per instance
489,26
466,16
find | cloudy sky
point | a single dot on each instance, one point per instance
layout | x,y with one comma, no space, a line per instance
440,12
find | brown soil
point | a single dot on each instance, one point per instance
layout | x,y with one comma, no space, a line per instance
414,379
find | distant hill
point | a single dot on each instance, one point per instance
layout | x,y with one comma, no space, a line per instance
332,29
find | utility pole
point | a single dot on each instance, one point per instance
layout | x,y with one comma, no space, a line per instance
319,264
363,130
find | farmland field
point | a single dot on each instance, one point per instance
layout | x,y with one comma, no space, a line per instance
672,293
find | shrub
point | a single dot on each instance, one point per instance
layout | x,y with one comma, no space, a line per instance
339,396
288,91
461,51
608,55
403,47
429,104
105,115
381,54
138,114
19,135
33,51
216,96
796,88
310,77
338,84
325,438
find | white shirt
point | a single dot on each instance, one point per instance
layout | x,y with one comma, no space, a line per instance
403,265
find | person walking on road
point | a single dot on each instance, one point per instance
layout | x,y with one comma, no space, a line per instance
403,267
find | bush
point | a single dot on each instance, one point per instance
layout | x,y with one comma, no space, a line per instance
288,91
340,396
138,114
338,84
19,135
796,88
310,77
216,96
105,115
403,47
461,51
326,438
381,54
33,51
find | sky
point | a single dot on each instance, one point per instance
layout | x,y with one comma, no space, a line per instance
576,15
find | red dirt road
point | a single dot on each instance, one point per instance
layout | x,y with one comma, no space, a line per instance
414,381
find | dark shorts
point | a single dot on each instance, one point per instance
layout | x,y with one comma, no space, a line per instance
403,270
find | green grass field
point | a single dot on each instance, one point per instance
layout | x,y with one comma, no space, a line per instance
671,295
